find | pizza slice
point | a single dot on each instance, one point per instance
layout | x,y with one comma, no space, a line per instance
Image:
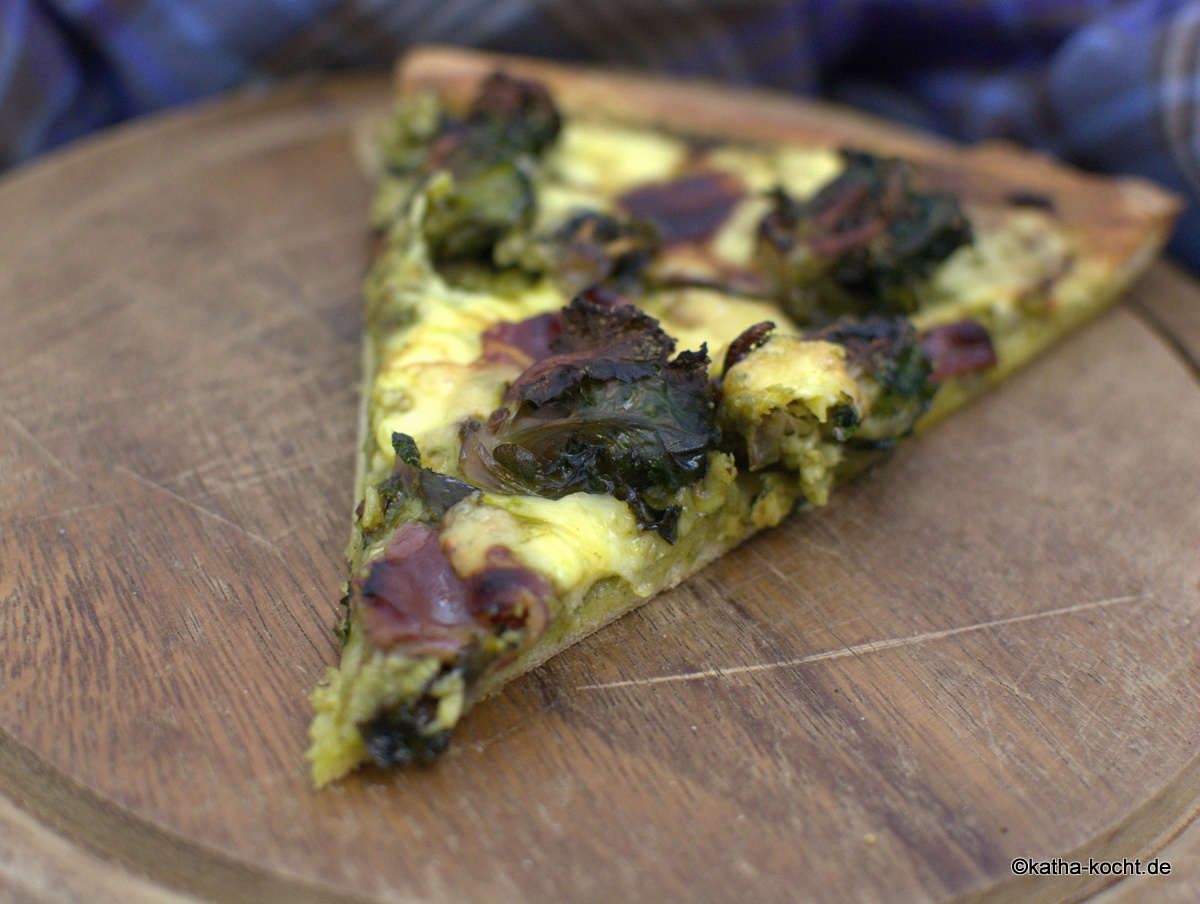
615,326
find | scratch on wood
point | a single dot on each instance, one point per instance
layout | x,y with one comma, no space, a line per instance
24,431
861,649
769,565
144,481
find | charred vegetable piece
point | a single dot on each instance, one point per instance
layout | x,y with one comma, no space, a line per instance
519,113
509,118
608,412
401,735
863,245
487,157
594,249
588,250
748,341
472,210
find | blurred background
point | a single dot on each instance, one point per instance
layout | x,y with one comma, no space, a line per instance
1110,85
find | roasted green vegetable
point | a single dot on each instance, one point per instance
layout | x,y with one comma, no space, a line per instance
470,211
863,245
474,170
608,412
413,492
406,733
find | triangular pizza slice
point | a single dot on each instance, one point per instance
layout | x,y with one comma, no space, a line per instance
615,326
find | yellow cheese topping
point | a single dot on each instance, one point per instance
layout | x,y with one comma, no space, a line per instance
780,396
572,541
611,157
788,372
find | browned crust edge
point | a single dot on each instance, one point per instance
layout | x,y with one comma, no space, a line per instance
1121,222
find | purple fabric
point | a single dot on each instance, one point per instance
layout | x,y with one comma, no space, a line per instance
1113,86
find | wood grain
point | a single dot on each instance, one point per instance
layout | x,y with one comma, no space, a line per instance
985,650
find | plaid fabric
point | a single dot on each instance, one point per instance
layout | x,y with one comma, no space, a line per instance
1109,85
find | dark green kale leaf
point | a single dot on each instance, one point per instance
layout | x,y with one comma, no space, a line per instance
413,492
608,412
863,245
400,735
509,118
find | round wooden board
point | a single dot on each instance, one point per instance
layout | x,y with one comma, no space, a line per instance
986,650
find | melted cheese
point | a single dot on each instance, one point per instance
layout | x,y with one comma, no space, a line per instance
613,157
799,171
780,396
736,242
802,171
790,373
431,377
1009,272
696,317
573,541
584,540
428,401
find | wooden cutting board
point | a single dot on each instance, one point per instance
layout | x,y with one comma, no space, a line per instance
987,650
